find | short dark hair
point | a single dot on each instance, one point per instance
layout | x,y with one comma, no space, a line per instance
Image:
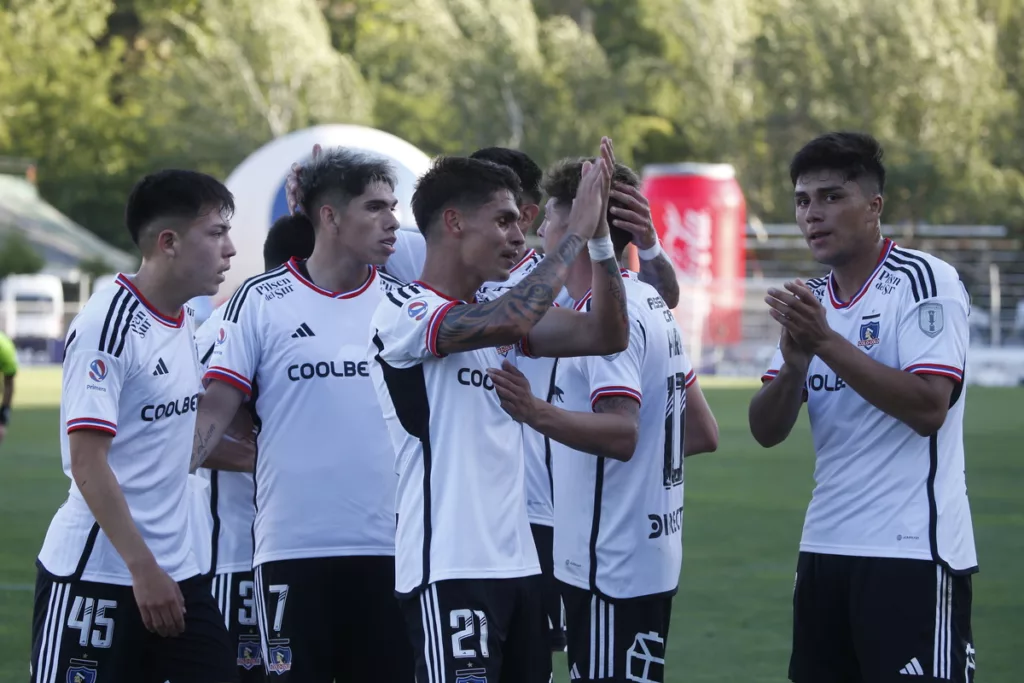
530,174
289,236
174,193
460,181
858,156
340,174
562,181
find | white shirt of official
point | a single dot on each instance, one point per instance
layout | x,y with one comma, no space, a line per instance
882,490
461,496
133,373
632,545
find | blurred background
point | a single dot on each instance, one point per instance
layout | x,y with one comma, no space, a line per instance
709,99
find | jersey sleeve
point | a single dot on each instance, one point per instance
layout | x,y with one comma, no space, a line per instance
406,263
93,374
236,345
405,330
773,368
618,374
933,333
206,336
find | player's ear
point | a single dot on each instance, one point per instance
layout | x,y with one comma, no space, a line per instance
166,241
451,221
527,215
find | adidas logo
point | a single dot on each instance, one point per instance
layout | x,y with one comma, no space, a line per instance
161,367
302,331
913,668
574,673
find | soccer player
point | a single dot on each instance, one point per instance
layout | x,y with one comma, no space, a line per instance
467,570
9,368
631,213
118,591
293,341
629,410
230,511
877,350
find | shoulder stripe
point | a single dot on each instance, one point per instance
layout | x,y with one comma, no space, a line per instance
234,307
392,299
391,278
924,262
922,281
817,282
110,314
113,337
206,356
913,277
126,326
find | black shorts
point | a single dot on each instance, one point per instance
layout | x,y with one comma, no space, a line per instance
479,631
622,640
544,539
879,619
332,618
84,632
235,594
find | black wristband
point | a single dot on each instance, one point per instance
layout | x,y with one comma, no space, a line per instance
5,414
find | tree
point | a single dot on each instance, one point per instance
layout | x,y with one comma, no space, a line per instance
17,256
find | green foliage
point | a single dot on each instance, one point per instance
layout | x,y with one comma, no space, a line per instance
101,91
17,257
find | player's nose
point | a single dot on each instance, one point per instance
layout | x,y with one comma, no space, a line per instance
228,249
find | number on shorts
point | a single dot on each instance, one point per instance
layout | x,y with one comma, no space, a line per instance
247,612
87,613
281,589
463,619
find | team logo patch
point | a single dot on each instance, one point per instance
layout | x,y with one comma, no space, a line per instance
930,319
82,671
503,350
97,370
471,676
249,655
417,310
221,336
280,659
868,336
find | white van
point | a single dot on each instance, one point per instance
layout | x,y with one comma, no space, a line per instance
33,307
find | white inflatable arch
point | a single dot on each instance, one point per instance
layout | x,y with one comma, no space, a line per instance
258,186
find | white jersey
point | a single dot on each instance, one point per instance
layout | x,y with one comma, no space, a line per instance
231,510
325,478
881,489
618,525
492,290
540,373
461,497
200,522
406,263
131,372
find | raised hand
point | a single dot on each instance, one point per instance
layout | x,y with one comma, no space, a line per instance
588,207
802,317
634,216
291,184
608,155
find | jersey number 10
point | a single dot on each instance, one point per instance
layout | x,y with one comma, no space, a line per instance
675,429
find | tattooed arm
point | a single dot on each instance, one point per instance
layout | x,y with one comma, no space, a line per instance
216,411
660,274
611,431
600,330
510,317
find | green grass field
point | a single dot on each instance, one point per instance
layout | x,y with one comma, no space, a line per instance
744,509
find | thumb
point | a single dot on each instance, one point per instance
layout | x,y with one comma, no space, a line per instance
507,366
